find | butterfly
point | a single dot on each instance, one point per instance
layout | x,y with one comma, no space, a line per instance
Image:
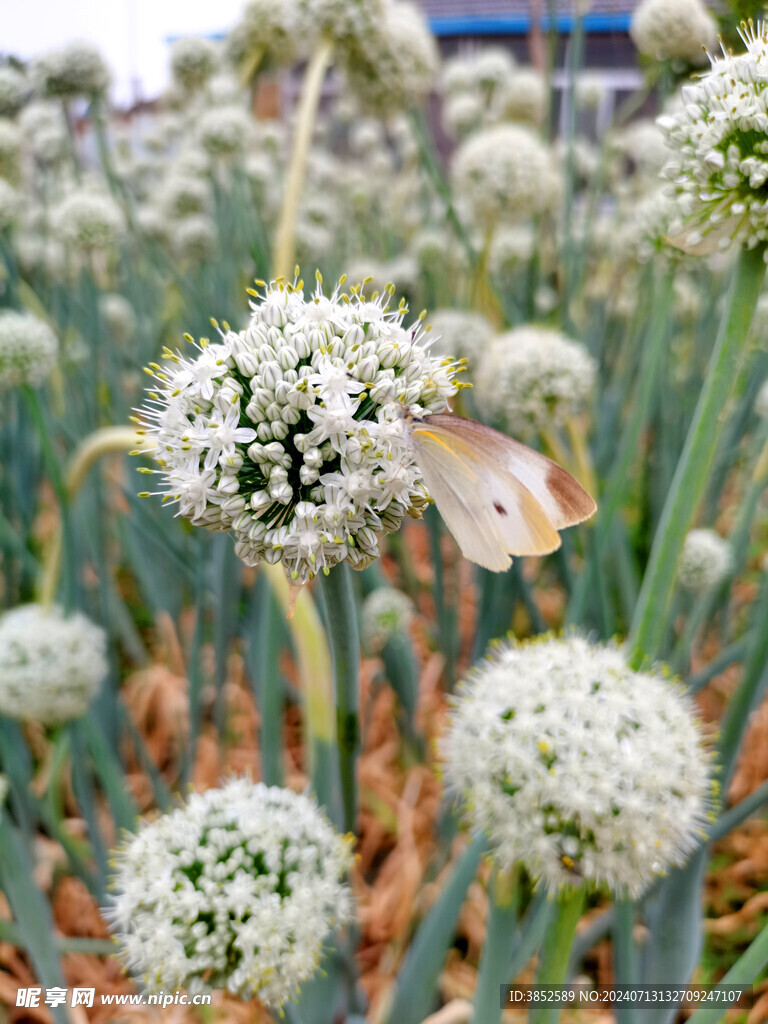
498,497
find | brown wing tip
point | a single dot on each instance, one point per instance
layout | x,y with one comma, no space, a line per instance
575,503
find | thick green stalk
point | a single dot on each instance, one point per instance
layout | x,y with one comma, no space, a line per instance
555,953
344,642
285,239
499,936
650,618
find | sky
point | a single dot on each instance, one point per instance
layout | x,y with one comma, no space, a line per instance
131,34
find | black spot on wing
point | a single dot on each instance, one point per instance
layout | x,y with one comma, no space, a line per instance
500,508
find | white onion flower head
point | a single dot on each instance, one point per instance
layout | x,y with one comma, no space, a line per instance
459,333
87,219
289,433
9,205
590,89
578,767
502,173
719,163
195,238
395,63
239,889
532,378
673,29
51,664
224,131
13,91
184,194
275,31
705,561
28,350
386,612
492,69
10,150
77,69
511,246
224,90
194,61
525,99
118,316
463,113
642,142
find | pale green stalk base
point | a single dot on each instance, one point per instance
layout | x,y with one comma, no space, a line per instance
285,238
650,619
555,953
314,666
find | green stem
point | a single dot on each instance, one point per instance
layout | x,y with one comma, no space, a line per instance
744,972
344,642
285,238
555,952
739,812
751,687
499,936
626,969
650,618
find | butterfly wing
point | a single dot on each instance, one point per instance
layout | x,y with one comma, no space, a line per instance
563,499
489,511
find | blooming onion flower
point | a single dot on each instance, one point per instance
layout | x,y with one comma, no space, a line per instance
719,135
290,434
577,766
238,889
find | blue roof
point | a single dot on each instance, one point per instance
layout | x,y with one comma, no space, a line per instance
520,24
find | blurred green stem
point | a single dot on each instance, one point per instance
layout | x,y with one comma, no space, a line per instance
745,971
555,953
345,657
690,479
499,936
106,441
285,238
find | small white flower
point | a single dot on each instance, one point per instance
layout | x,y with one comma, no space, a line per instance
28,350
705,561
665,29
502,173
77,69
239,889
193,61
195,237
531,378
396,61
51,664
87,220
224,131
386,612
457,332
118,316
578,767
